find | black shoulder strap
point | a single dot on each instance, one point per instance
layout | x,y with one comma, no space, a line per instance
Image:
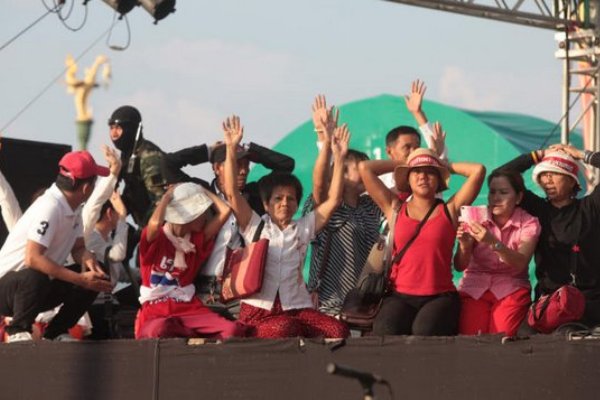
256,236
400,254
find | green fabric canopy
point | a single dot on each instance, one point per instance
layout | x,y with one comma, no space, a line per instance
491,138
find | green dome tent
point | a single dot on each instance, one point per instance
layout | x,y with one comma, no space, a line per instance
491,138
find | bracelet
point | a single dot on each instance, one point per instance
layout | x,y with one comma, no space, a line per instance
319,130
535,157
588,156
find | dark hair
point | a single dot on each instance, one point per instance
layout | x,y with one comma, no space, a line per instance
515,179
105,207
268,183
356,156
393,135
70,185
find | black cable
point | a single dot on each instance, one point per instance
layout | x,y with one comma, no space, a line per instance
49,85
61,3
60,16
63,18
387,384
48,12
114,46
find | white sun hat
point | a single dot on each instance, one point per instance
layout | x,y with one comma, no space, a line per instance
560,163
189,202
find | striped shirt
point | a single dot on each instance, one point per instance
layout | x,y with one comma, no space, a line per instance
351,232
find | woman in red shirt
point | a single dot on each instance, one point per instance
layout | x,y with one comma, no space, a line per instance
423,300
178,239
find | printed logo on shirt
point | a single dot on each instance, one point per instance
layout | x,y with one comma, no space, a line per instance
166,264
164,274
43,228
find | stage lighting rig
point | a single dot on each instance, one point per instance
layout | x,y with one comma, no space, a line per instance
159,9
121,6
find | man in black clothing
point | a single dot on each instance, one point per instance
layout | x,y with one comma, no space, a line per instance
569,247
251,152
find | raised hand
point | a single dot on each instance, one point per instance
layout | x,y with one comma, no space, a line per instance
415,98
233,131
341,139
168,196
118,205
113,160
438,139
569,149
325,119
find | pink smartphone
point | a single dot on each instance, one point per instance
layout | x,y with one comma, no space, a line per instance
473,214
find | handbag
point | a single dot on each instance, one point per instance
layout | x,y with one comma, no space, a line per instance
362,304
244,268
564,305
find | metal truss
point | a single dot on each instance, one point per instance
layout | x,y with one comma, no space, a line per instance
545,14
577,23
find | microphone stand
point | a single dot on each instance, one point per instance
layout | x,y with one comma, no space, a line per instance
367,387
365,379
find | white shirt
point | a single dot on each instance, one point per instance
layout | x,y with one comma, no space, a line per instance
49,221
11,210
94,241
90,213
285,259
228,237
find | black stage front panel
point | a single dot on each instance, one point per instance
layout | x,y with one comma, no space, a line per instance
543,367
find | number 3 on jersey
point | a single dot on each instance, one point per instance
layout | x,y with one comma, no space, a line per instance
43,228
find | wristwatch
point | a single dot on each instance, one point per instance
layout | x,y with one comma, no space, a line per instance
498,246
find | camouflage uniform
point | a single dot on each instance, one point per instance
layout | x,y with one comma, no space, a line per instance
145,184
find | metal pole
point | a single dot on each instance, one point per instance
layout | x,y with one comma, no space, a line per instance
564,135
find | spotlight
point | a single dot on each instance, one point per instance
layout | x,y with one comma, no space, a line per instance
159,9
121,6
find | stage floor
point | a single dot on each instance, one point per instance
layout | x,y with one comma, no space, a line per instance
542,367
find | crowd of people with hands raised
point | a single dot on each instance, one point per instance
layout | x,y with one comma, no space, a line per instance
74,241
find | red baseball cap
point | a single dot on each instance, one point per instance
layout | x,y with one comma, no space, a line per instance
80,165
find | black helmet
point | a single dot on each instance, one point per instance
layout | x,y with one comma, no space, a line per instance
129,119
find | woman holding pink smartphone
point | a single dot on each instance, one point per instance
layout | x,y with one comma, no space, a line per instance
494,253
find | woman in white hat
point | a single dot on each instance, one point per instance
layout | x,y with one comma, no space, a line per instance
423,299
569,247
178,239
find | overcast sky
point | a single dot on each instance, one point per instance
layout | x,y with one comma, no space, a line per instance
265,60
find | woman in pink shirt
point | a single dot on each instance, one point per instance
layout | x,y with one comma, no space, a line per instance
495,255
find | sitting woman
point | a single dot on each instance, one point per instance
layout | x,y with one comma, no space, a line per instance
340,250
423,300
569,247
283,306
171,253
495,292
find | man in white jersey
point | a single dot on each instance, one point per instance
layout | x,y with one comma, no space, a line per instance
33,277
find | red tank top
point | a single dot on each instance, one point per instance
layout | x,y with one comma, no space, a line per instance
425,268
